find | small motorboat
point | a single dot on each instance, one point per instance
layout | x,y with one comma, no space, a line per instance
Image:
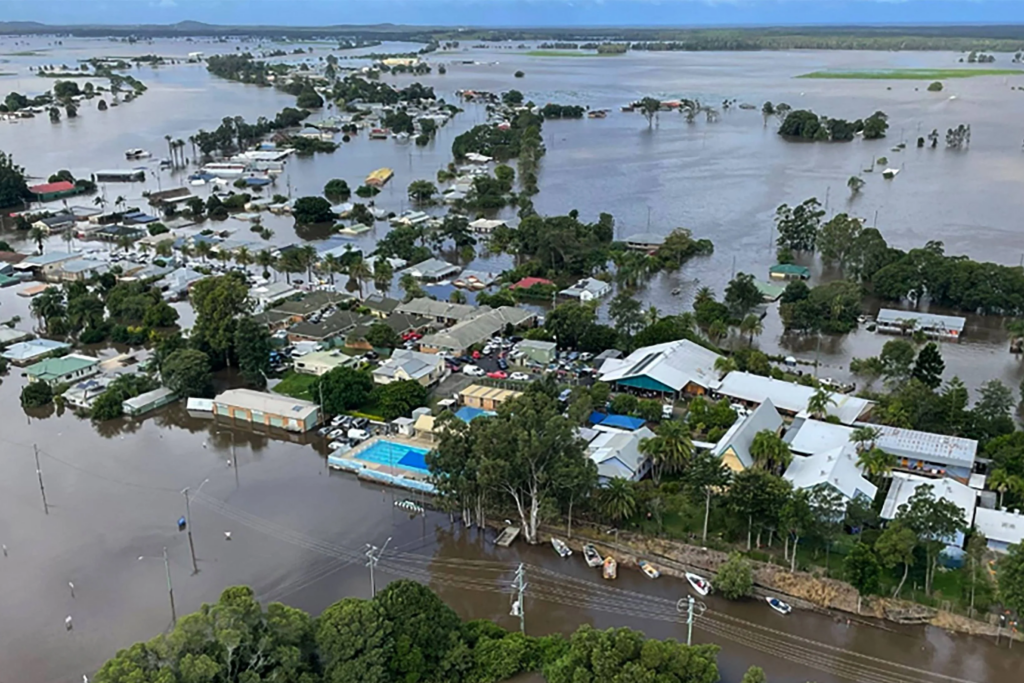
677,291
610,569
778,605
649,569
591,555
136,154
561,548
409,506
699,583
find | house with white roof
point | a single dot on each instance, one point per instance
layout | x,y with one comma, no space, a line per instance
836,468
264,296
425,368
617,455
587,289
27,352
905,485
671,368
734,447
789,398
1002,528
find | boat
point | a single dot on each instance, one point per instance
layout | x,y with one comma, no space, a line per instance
677,291
506,537
379,177
379,133
699,583
610,569
561,548
890,173
591,555
649,569
778,605
136,153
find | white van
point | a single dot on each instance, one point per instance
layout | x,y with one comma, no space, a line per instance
358,435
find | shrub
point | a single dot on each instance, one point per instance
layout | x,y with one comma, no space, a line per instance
36,394
735,577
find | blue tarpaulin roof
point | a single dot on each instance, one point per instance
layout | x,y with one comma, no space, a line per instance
617,421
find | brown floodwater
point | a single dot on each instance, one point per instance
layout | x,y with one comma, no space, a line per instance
298,532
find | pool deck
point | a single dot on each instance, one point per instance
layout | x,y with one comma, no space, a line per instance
401,477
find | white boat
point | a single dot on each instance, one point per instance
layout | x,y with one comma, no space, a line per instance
591,555
699,583
136,153
778,605
561,548
649,569
610,569
890,173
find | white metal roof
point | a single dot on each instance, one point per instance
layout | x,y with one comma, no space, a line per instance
938,448
272,404
904,485
742,432
807,437
617,453
1000,525
836,467
931,321
787,396
674,364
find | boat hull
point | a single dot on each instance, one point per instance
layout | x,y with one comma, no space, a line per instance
699,584
610,569
592,557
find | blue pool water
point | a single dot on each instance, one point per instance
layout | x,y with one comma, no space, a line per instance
396,455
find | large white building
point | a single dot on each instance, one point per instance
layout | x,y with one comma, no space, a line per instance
671,368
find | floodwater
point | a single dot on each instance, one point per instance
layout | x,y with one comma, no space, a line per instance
298,532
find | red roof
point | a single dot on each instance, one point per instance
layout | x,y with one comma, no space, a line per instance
50,188
528,282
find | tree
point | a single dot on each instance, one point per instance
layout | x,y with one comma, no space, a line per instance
380,336
355,641
1001,481
309,99
797,520
876,463
312,210
855,183
13,187
838,239
38,235
359,272
875,126
649,107
35,394
512,98
770,452
996,401
625,311
862,570
397,399
218,303
975,572
827,507
342,389
252,349
818,403
754,674
896,546
934,521
752,326
186,372
929,366
707,476
758,495
735,578
865,437
337,189
1010,578
798,226
897,360
383,272
422,191
742,295
569,322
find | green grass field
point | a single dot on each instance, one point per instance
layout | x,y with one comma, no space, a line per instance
912,74
296,385
569,53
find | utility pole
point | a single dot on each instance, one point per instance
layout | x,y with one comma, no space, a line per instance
373,554
170,588
692,609
188,526
519,605
39,473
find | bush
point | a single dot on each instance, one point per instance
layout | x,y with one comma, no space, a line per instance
935,86
36,394
625,404
735,577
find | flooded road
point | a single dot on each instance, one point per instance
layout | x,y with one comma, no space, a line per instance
298,532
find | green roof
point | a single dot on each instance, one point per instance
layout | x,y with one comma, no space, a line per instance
53,368
790,269
769,291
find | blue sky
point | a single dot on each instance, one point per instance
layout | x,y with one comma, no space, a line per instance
519,12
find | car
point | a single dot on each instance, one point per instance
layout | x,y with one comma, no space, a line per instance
519,376
360,422
476,355
336,433
358,435
564,396
371,355
412,336
337,420
464,359
337,445
473,370
572,356
323,431
443,354
497,374
503,364
666,411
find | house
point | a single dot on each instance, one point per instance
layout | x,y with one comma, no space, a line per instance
148,401
321,362
119,175
425,368
539,351
175,285
528,282
400,323
177,195
432,270
671,368
925,453
441,311
949,327
328,329
116,233
270,410
84,393
1002,528
45,266
55,223
457,339
486,398
10,335
905,485
381,306
81,269
27,352
10,258
789,398
48,192
789,271
313,303
734,447
644,241
836,468
486,225
587,289
63,369
264,296
617,455
604,422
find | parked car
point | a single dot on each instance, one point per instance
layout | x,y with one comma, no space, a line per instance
476,355
360,422
586,356
564,396
519,376
473,370
323,431
337,420
336,433
497,374
358,435
503,364
337,445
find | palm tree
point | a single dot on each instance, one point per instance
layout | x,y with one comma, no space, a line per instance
617,500
876,463
359,271
119,202
243,257
1016,330
896,415
819,403
203,250
677,446
265,260
718,331
686,322
331,265
704,294
69,237
652,315
179,145
308,258
410,286
751,325
38,235
651,448
865,435
185,250
170,148
855,183
1002,481
457,296
100,201
48,305
724,365
770,452
164,249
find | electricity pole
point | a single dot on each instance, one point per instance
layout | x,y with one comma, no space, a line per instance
692,609
39,473
170,588
373,554
519,606
188,526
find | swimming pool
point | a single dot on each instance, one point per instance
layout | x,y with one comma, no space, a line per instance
396,455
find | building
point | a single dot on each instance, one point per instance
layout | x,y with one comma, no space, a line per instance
458,339
587,289
644,241
399,323
789,271
148,402
425,368
486,226
23,353
269,410
789,398
81,269
905,485
603,422
440,311
45,266
1002,528
119,175
265,296
176,284
528,282
313,303
486,398
48,192
162,198
539,351
617,455
55,223
949,327
379,178
671,368
116,233
836,468
432,270
334,326
321,362
84,393
63,369
734,447
380,306
10,335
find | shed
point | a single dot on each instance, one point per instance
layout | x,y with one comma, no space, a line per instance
148,401
937,326
539,351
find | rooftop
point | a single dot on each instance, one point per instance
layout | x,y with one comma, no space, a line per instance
836,467
272,404
144,399
34,348
413,364
741,434
10,335
787,396
790,269
438,309
672,365
617,454
1004,526
920,321
432,269
645,239
904,486
312,302
45,260
51,369
381,304
937,448
50,188
335,324
478,329
528,282
481,392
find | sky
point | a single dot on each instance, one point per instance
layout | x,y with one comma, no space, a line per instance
522,13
